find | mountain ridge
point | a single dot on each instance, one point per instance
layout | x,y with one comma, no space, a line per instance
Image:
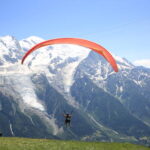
68,77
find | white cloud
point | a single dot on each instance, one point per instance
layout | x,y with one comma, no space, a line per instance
143,62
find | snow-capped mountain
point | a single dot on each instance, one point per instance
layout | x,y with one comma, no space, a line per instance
10,50
107,106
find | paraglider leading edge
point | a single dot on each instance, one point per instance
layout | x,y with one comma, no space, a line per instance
82,42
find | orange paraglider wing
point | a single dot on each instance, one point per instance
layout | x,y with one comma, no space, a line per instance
91,45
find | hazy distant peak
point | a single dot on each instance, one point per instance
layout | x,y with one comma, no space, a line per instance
143,62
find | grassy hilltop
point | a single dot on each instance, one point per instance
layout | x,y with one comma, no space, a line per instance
44,144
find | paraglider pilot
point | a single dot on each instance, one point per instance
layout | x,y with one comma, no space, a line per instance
67,119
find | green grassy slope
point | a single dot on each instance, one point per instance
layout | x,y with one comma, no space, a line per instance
44,144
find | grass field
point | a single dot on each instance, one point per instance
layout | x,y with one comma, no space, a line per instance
44,144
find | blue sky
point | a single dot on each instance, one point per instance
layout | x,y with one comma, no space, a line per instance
121,26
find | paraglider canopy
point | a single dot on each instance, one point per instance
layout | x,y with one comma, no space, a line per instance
82,42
